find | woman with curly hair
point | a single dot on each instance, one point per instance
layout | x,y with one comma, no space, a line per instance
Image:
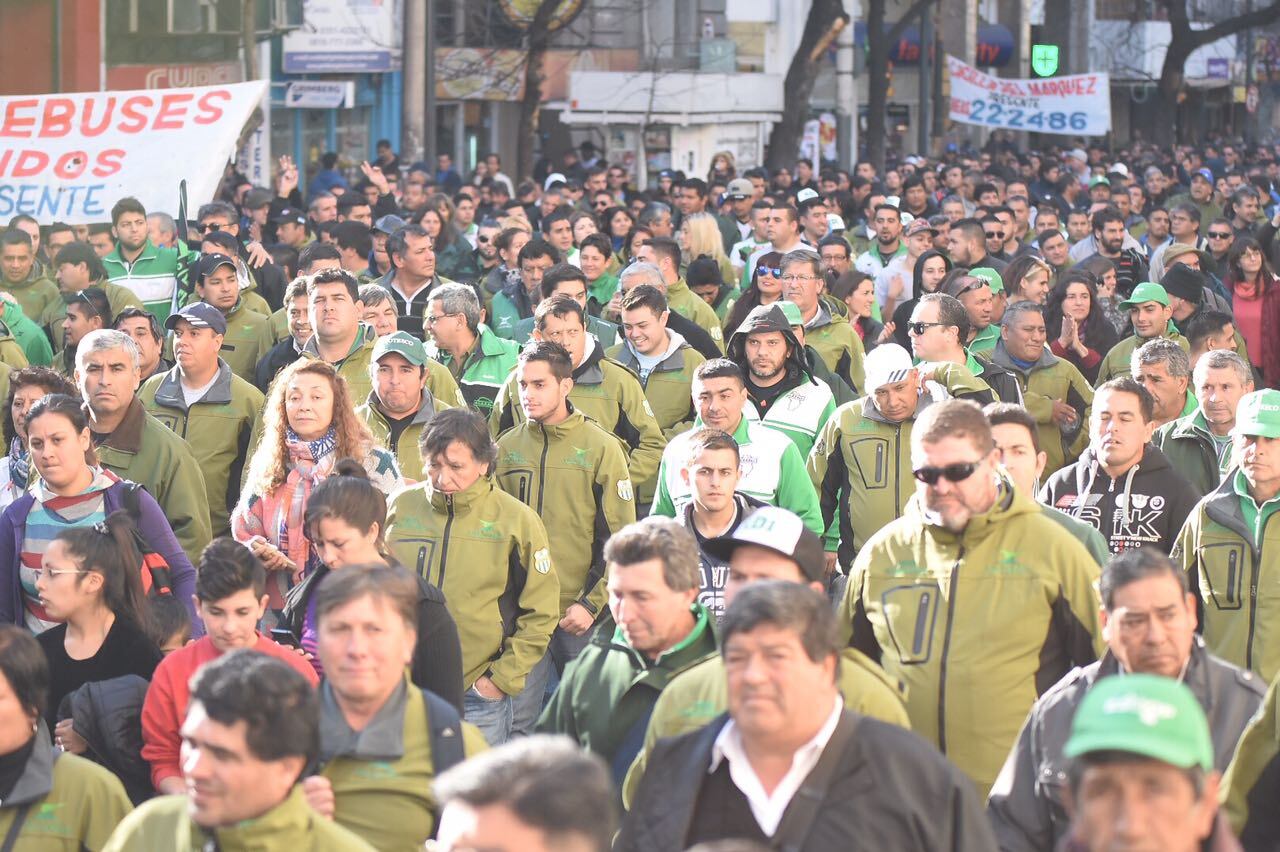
309,423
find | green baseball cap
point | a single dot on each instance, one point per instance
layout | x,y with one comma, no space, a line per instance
1258,414
791,312
989,275
1145,715
1147,291
403,344
1097,179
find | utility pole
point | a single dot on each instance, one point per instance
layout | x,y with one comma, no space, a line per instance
847,91
414,72
924,116
1249,125
429,83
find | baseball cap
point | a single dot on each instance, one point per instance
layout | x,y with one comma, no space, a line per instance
804,195
1097,179
989,275
403,344
1077,154
834,223
209,262
919,226
389,224
200,315
1207,174
780,531
1258,414
255,198
290,214
1119,169
740,188
886,364
1147,291
553,178
1145,715
791,312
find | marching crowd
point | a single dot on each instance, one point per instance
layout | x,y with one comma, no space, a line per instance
811,510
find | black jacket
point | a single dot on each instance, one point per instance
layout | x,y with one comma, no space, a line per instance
891,790
1148,505
695,335
437,658
714,571
277,358
108,715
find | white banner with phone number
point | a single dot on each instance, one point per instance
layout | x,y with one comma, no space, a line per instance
1076,105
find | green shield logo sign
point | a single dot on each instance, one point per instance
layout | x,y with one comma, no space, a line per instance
1044,59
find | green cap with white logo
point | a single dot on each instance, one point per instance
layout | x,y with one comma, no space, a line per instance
1258,414
989,275
791,312
1147,291
403,344
1144,715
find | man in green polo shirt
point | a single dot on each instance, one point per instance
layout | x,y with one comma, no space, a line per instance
1149,311
400,406
477,358
1230,550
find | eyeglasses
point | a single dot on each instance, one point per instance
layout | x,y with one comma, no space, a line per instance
601,204
207,227
482,238
432,319
795,279
958,472
919,328
995,235
1220,235
40,572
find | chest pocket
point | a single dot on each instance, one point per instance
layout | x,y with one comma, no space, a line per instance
1222,568
423,557
518,482
911,613
172,422
870,458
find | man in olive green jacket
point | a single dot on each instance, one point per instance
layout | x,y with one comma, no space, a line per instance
20,277
217,426
1230,550
248,336
489,554
1149,311
400,406
1199,445
662,359
136,446
973,593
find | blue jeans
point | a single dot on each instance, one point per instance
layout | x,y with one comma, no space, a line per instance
543,679
493,718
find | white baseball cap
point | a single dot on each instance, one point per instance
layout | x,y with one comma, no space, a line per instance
886,364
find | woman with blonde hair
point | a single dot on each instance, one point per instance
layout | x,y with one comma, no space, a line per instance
699,235
309,423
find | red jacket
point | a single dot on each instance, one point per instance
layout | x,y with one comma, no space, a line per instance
169,693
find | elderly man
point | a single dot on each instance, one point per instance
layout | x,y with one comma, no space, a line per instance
741,776
251,730
608,692
136,446
1164,369
827,331
1149,621
1198,445
1231,551
478,359
939,597
382,740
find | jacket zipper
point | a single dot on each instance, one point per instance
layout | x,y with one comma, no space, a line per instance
444,545
542,466
946,649
1253,606
897,470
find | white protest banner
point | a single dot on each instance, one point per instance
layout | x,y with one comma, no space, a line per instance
1077,105
69,158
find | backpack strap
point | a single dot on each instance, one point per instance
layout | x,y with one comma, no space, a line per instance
444,727
130,500
799,816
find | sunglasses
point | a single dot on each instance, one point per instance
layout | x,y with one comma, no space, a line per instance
209,227
995,235
771,271
482,238
958,472
1219,235
919,328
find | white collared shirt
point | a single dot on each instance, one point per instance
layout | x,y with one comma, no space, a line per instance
768,809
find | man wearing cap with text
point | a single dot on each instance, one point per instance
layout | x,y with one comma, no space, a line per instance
215,411
291,228
1152,317
400,406
1142,774
1231,552
247,336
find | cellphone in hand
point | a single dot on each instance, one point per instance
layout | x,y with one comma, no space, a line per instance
283,636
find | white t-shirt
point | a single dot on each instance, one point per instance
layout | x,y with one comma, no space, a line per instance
193,395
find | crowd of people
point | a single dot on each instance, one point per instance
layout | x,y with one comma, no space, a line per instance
925,508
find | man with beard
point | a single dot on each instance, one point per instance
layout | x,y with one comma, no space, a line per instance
887,222
967,246
1110,240
153,274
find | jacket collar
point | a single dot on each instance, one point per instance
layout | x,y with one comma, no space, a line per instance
563,428
1001,358
426,409
279,828
462,501
589,372
365,336
1195,675
127,437
672,360
381,739
170,395
36,779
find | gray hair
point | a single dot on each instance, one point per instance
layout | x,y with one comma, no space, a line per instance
317,198
167,225
950,312
808,256
546,781
218,208
103,340
651,275
457,298
661,538
653,210
1012,312
1161,351
1222,359
951,199
787,606
374,294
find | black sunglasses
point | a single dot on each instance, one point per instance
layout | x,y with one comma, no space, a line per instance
1219,235
207,227
958,472
919,328
482,238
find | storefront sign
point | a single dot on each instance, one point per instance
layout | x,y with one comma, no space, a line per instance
320,94
71,157
1076,105
172,76
340,36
